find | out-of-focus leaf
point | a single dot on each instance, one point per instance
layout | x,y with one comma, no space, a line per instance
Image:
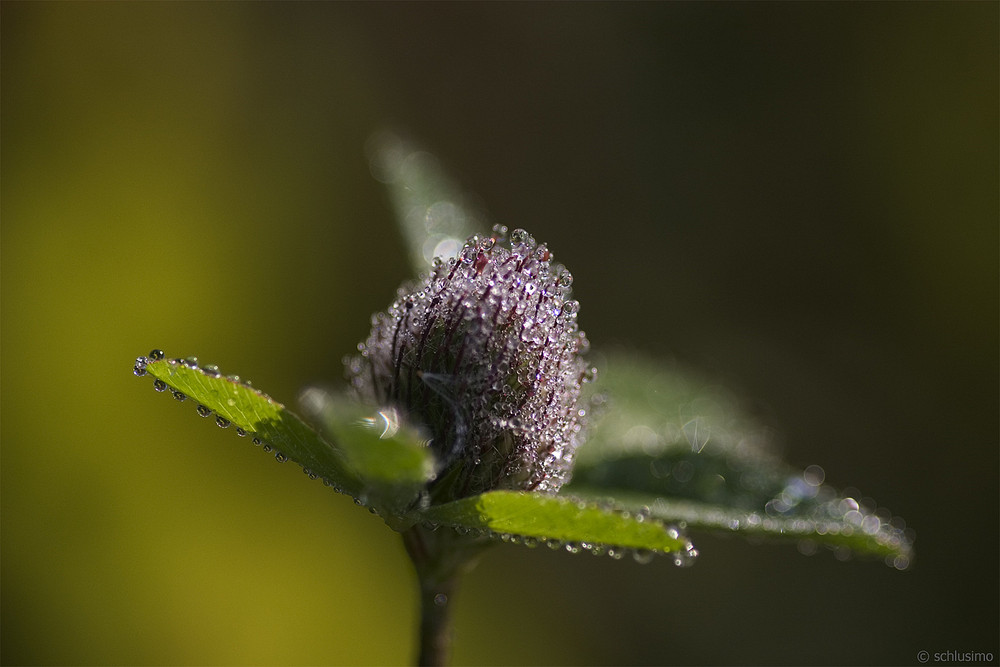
390,456
561,522
687,454
434,215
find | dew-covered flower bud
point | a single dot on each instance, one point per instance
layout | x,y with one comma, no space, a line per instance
485,352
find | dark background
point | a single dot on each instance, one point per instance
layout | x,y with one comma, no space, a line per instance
799,200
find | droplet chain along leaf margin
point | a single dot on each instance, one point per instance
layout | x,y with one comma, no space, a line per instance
636,472
567,523
603,511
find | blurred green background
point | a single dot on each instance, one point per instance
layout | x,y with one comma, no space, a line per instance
799,199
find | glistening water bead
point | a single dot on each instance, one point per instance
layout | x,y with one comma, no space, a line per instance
210,371
485,352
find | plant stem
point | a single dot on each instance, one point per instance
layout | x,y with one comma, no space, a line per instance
435,622
439,558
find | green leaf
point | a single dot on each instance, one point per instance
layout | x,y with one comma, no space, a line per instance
380,469
388,454
571,523
434,215
686,453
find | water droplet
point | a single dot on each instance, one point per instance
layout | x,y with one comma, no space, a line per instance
848,504
468,254
565,279
221,421
571,308
871,525
258,442
140,366
240,432
807,547
211,371
190,362
440,599
519,236
280,457
156,355
159,385
178,395
643,556
687,557
204,411
814,475
267,447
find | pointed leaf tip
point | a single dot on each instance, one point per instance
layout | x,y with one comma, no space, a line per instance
559,522
381,470
691,456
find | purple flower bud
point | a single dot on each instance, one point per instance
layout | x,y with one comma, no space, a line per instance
485,352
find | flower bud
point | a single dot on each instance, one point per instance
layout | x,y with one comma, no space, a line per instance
485,353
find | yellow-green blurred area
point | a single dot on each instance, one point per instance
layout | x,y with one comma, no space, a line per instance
799,199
